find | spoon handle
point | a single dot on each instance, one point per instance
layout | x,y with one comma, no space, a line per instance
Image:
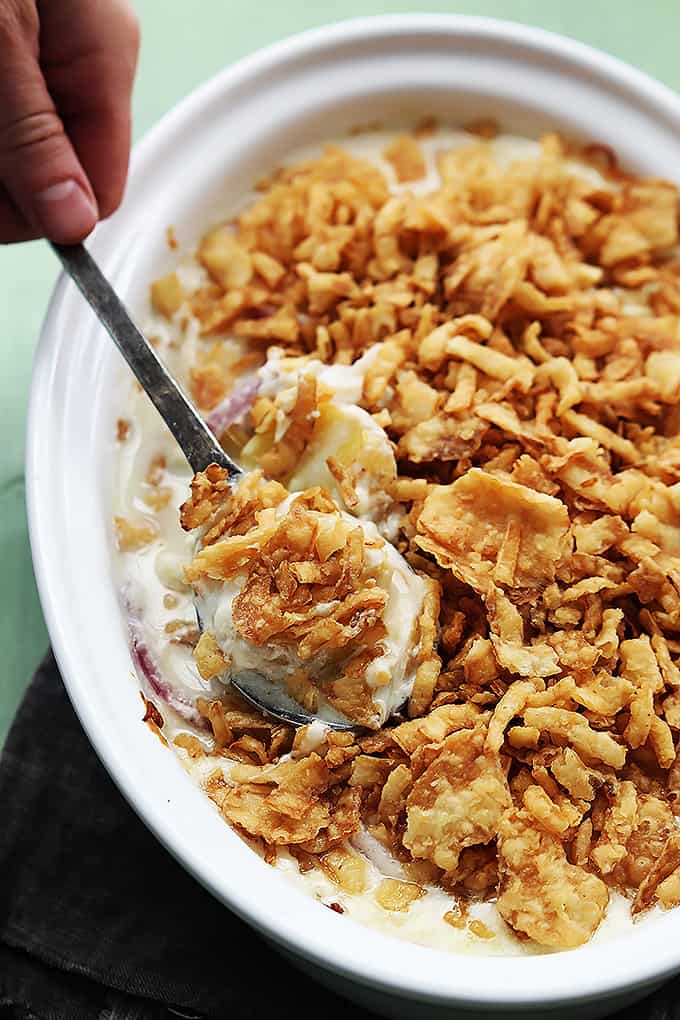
198,443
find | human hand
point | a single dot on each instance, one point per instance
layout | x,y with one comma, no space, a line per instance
66,74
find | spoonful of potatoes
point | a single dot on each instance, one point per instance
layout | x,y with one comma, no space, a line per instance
303,609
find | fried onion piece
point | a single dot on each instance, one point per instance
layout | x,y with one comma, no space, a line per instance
345,817
575,730
131,536
619,822
661,742
577,779
663,880
393,795
279,461
511,704
346,869
465,525
510,647
554,813
457,802
435,726
209,657
542,895
218,509
283,803
406,157
639,664
393,894
653,826
429,663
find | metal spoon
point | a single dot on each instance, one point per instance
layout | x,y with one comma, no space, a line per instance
199,445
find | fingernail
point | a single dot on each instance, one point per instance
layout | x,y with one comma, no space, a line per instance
65,212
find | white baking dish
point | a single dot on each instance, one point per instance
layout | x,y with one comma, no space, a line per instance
190,167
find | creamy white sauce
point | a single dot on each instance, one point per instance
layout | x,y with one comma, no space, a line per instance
147,577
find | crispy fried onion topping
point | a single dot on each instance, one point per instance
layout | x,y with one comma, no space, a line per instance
523,328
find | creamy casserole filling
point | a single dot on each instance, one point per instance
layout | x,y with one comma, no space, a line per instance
450,363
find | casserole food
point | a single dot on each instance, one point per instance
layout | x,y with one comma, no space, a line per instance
450,362
425,81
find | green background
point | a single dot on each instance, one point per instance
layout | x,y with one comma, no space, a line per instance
184,43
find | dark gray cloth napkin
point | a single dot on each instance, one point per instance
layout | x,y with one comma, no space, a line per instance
98,921
96,918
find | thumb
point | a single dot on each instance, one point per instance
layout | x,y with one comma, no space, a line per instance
38,165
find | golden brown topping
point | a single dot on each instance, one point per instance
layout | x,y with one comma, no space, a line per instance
435,726
653,825
523,324
663,881
345,868
492,531
619,822
155,494
457,801
553,812
509,705
574,728
167,295
216,507
131,535
225,259
481,930
209,657
280,803
406,157
429,663
280,460
542,895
